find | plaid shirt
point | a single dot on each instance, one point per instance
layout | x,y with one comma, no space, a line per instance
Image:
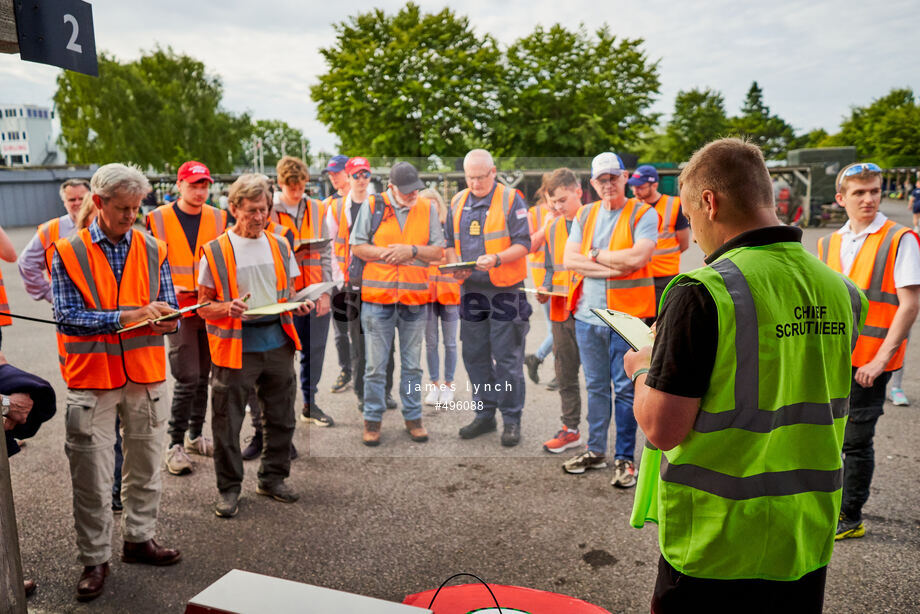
70,308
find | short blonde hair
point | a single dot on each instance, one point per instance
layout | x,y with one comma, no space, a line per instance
435,196
863,176
87,212
291,169
249,187
735,170
559,178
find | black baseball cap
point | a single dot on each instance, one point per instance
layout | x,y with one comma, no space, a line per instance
404,176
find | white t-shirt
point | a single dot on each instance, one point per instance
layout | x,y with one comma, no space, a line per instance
255,269
906,262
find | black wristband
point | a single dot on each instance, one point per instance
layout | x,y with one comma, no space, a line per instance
414,251
498,260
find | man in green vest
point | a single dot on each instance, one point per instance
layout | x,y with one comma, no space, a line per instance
745,394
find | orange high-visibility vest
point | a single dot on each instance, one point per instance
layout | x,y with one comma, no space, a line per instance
225,335
495,234
48,234
634,293
535,217
341,249
406,284
109,361
4,304
873,272
666,258
183,261
556,236
311,227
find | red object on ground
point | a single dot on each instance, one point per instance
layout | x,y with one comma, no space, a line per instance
467,598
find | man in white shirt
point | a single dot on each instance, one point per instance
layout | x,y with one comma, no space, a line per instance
883,259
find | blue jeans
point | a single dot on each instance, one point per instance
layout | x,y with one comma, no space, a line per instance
449,315
602,351
546,348
380,323
313,333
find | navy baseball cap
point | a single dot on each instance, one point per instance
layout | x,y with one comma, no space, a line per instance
642,175
336,164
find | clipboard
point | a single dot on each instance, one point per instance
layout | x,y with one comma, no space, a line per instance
172,316
310,245
545,293
314,291
457,266
272,310
632,330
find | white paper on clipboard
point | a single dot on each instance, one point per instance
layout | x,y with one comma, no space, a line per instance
633,330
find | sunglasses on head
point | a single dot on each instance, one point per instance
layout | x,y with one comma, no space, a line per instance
862,167
361,175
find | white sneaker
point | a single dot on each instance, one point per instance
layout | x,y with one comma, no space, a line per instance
177,461
201,445
432,397
446,395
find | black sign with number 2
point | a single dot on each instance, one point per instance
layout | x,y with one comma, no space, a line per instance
57,32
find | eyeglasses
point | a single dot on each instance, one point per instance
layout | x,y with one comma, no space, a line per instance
472,178
361,175
857,169
607,178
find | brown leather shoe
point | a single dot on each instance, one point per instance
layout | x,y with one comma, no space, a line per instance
149,553
416,431
91,581
371,435
30,587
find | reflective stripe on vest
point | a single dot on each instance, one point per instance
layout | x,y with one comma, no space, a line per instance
873,273
754,489
225,335
666,258
48,233
634,293
311,227
183,262
536,216
496,237
108,361
406,284
556,236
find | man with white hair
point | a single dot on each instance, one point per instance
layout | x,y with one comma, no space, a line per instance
104,278
489,226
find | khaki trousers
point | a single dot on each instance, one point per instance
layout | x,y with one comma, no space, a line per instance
90,435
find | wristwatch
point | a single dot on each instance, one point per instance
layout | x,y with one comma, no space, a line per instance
498,260
414,251
5,404
593,253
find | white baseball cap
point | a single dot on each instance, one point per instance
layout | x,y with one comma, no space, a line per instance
607,163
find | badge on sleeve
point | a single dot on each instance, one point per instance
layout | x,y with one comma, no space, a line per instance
475,230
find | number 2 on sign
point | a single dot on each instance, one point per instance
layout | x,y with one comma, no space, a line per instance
73,45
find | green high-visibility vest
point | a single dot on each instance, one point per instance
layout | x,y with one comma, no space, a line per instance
754,490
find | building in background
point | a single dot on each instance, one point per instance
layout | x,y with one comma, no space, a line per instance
27,136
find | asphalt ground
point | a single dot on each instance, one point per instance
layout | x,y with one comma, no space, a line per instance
399,519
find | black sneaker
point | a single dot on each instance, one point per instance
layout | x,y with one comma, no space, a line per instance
478,427
391,402
315,415
254,448
511,434
341,384
553,385
533,364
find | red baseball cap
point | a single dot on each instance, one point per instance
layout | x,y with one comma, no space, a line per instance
357,164
193,172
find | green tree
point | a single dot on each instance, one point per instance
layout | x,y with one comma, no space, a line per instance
278,138
568,93
156,112
884,131
408,85
699,117
770,132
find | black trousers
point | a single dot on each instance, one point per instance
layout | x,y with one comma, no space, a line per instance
858,450
350,309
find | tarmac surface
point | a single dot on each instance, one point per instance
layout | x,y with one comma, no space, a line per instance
401,518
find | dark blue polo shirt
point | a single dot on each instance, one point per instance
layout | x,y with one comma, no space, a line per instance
471,247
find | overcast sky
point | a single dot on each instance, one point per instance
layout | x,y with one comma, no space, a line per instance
814,60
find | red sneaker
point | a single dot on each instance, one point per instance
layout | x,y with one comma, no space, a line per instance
563,440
